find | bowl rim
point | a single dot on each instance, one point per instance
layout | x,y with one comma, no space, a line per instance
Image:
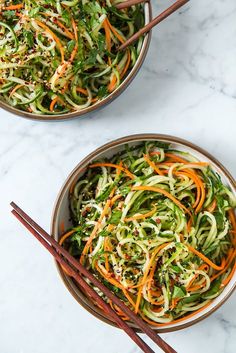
95,107
75,291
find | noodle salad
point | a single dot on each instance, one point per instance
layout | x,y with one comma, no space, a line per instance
61,56
157,227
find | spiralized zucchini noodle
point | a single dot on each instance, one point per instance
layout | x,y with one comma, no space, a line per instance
157,227
61,56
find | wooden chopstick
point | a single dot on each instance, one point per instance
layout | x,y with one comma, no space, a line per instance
55,249
154,22
128,3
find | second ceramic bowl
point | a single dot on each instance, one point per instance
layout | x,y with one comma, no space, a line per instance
61,214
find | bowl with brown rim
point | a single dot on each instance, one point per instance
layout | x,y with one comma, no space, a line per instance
102,103
61,214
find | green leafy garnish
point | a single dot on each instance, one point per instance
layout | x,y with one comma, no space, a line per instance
102,92
115,217
178,292
215,287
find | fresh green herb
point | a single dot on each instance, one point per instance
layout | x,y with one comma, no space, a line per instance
192,298
92,57
125,190
215,287
102,92
34,11
71,45
29,38
178,292
103,233
115,217
9,14
176,269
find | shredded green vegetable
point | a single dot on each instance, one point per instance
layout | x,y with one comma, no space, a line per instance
156,226
61,56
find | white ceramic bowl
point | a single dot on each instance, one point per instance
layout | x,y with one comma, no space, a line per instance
95,107
61,214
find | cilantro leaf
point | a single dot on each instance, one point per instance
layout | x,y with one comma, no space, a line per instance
103,233
66,17
178,292
71,45
125,190
34,11
101,42
191,298
105,194
115,217
213,290
92,57
9,14
29,38
102,92
219,220
176,268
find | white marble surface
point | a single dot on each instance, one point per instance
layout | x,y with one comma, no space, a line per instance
187,88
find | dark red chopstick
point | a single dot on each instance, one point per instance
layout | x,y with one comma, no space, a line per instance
46,240
153,23
128,3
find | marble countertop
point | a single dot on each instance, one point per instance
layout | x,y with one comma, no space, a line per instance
187,88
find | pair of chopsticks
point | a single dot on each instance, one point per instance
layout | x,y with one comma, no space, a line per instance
151,24
77,271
